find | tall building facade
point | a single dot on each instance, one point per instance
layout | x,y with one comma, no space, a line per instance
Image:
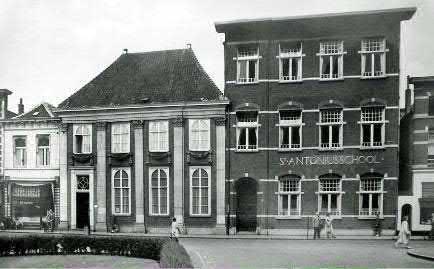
416,198
313,121
144,142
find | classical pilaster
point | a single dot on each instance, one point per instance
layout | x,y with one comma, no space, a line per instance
178,169
63,173
220,178
138,172
101,209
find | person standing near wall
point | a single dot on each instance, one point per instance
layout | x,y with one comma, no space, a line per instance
174,230
316,223
329,226
404,234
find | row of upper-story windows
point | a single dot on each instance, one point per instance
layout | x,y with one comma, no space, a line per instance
199,136
331,60
330,195
42,150
372,126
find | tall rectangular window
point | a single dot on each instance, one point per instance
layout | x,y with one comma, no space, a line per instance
82,138
331,60
289,200
373,59
290,129
199,134
372,127
290,61
200,191
330,191
121,191
20,151
371,196
43,150
247,130
331,128
158,136
120,137
159,191
247,64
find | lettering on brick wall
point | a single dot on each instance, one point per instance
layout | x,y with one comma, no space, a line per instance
329,160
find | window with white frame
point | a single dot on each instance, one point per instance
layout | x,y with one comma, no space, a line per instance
247,64
371,196
290,129
289,201
331,59
373,59
331,128
200,191
120,137
372,127
247,130
158,136
43,150
159,191
290,61
431,147
82,138
329,194
199,134
20,152
121,191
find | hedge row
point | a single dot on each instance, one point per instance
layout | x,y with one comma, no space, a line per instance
174,255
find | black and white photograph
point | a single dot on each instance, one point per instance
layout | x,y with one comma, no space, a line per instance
216,134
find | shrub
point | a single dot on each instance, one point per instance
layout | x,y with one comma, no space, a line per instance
174,255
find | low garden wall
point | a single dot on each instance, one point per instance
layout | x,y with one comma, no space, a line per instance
168,252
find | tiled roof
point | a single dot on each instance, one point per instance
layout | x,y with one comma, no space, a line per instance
148,77
10,114
41,111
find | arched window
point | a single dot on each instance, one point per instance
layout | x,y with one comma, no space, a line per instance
371,195
289,195
159,191
121,191
330,194
120,137
200,191
199,134
83,138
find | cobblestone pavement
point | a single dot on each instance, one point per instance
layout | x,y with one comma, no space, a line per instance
76,261
253,253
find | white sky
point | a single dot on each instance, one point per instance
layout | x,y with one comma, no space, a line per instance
51,48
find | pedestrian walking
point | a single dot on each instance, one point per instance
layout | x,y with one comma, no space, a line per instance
404,234
329,226
174,230
316,223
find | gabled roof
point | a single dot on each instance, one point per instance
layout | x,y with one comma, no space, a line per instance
10,114
148,77
41,111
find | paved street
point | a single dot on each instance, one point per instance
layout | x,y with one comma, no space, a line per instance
250,253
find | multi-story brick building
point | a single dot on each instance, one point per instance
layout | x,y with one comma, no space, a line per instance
144,142
416,185
314,119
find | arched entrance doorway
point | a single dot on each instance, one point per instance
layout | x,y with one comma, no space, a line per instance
406,211
246,204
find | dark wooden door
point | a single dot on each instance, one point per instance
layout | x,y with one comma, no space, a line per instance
247,205
82,210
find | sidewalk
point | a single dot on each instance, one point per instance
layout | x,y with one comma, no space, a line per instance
423,253
215,236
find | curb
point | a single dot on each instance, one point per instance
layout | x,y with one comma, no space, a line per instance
420,256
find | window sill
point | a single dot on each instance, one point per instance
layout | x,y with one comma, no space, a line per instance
287,217
200,216
369,217
82,153
247,83
330,79
290,81
246,150
158,215
157,151
290,150
122,214
373,77
373,148
330,149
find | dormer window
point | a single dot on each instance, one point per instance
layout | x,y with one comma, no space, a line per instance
331,60
247,130
247,64
373,57
290,61
290,126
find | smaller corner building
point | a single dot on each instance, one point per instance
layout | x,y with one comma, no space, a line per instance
416,185
313,121
144,142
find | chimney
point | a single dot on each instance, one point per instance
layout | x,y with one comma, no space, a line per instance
21,107
188,45
125,51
